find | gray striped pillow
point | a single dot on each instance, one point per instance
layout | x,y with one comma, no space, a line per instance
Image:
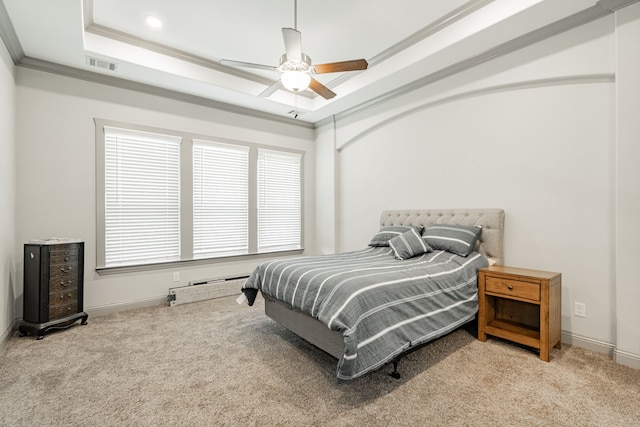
408,244
386,233
458,239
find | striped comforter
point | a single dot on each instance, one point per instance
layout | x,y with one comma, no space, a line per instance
382,306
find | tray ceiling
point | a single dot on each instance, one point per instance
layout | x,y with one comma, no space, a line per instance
407,44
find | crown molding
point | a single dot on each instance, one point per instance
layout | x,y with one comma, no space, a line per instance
434,27
9,36
90,76
431,29
7,33
121,36
599,10
126,38
12,43
613,5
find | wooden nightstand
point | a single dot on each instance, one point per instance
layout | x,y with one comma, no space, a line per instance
520,305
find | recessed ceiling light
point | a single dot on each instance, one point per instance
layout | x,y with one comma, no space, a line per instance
153,22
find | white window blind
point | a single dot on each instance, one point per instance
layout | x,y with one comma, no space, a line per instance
220,199
279,201
142,197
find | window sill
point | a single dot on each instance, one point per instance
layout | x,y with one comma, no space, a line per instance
105,271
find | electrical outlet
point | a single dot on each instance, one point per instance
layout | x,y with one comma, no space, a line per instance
580,309
176,276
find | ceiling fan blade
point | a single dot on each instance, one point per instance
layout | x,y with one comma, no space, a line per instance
271,89
335,67
321,89
292,44
247,65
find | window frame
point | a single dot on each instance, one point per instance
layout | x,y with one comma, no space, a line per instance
186,198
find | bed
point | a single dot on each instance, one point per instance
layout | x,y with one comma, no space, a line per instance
370,306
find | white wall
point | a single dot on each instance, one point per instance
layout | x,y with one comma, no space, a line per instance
56,173
548,133
326,177
628,178
532,132
7,194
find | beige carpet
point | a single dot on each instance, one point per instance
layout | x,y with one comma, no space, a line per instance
218,363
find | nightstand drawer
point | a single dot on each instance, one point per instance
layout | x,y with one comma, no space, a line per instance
513,288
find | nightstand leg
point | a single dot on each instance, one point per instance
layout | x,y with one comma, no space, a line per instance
545,349
482,308
545,356
482,336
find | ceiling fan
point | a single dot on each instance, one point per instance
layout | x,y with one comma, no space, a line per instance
296,67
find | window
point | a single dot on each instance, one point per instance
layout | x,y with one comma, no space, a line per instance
166,196
220,199
142,197
279,201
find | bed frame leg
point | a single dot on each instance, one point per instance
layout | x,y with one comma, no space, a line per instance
395,374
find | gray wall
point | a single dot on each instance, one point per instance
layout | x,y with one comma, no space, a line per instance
8,286
56,173
628,185
548,133
534,132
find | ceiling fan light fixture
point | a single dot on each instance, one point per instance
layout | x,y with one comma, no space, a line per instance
296,80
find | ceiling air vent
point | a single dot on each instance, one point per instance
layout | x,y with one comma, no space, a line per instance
101,63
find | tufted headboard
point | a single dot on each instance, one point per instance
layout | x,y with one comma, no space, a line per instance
491,220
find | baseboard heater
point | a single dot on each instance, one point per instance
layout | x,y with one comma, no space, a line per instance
200,290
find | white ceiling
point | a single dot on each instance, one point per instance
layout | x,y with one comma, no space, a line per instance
407,43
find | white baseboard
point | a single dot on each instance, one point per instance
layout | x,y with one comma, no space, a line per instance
618,356
627,359
588,343
131,305
93,311
7,334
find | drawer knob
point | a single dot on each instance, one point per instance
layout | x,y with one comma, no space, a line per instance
510,287
65,269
